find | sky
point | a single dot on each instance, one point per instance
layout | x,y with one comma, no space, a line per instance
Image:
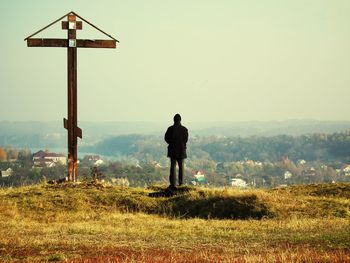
224,60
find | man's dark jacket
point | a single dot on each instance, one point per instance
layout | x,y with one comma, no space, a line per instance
176,136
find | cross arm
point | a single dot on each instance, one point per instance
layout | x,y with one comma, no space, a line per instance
80,43
96,43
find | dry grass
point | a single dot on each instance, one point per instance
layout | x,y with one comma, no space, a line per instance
40,224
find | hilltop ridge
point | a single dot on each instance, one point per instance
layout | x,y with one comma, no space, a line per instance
310,201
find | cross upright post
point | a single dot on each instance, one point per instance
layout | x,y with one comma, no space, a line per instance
72,121
71,43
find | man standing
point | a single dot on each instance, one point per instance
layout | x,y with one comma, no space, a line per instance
176,136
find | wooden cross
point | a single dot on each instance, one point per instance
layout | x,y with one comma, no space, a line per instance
71,43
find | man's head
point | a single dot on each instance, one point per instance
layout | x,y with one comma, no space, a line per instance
177,118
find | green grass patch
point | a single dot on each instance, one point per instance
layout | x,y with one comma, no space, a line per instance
56,257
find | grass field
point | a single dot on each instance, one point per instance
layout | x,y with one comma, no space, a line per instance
93,223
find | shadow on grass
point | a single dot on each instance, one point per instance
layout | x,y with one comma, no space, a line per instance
189,202
242,207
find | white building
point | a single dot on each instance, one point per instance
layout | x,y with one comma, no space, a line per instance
6,173
99,162
237,182
302,162
287,175
346,169
45,158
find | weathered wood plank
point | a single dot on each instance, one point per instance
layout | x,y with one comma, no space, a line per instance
89,43
47,42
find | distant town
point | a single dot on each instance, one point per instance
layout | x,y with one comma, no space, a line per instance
218,162
233,154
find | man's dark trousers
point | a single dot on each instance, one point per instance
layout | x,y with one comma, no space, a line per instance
172,177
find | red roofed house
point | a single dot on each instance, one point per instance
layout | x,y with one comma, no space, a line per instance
199,175
47,159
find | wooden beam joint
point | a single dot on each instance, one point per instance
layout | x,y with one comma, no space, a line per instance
78,25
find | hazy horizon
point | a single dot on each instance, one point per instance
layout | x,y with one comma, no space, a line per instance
170,120
223,61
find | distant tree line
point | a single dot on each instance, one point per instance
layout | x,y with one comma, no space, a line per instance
313,147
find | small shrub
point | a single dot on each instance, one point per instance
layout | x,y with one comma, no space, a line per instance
56,257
